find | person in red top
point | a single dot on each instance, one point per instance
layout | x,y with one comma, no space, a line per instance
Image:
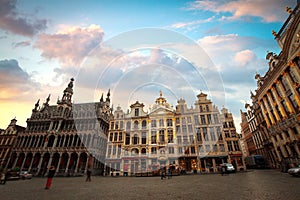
50,177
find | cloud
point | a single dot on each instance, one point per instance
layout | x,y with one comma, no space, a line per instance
244,57
267,10
70,46
15,82
191,25
13,21
21,44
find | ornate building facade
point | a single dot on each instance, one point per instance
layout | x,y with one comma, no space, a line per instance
8,138
277,100
71,137
187,138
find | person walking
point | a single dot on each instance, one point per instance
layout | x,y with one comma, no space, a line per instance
50,177
88,175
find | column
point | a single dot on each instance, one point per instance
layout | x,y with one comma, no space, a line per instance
272,106
39,165
58,164
278,100
67,167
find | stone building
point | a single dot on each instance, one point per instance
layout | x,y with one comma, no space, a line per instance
8,138
277,99
72,137
190,139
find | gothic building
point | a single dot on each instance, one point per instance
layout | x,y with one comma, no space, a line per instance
192,139
276,103
71,137
8,139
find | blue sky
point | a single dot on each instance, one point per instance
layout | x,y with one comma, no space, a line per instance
135,48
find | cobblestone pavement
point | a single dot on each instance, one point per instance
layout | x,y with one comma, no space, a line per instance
260,184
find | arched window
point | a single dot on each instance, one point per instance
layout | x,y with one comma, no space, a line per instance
128,127
136,124
144,124
143,150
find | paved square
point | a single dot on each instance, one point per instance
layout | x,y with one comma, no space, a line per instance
265,184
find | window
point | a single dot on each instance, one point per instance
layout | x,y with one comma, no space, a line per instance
170,136
112,124
161,123
171,150
153,123
144,138
236,145
183,120
153,150
201,148
136,112
207,108
202,117
184,129
199,138
189,119
144,124
180,150
229,145
153,137
161,136
216,119
191,138
120,136
212,134
177,120
204,130
179,139
215,148
209,119
190,128
128,125
196,119
135,139
121,125
169,122
227,135
115,137
193,150
127,141
219,134
178,129
136,125
111,137
201,108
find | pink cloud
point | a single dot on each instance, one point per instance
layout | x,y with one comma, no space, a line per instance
268,10
242,58
70,46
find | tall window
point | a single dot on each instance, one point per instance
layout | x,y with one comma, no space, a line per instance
153,123
161,136
153,137
212,134
136,124
120,136
127,141
216,119
179,139
207,108
199,138
170,136
236,145
229,145
128,125
144,138
196,119
209,119
144,124
136,112
222,148
169,122
161,123
135,139
202,119
204,130
171,150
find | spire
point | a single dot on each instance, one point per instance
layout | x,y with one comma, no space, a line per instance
48,99
101,99
68,92
108,95
36,105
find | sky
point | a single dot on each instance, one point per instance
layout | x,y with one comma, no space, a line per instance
135,48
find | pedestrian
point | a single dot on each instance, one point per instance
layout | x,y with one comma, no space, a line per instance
50,177
3,177
170,172
88,175
163,173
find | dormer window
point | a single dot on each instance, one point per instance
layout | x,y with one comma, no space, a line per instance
136,112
